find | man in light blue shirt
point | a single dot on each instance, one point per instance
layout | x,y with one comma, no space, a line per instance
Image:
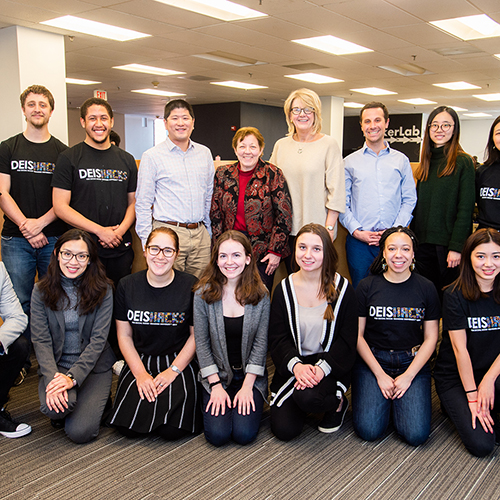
175,186
380,191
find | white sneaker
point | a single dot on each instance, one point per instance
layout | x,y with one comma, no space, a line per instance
11,429
118,367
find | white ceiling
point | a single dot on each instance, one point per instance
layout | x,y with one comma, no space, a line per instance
396,30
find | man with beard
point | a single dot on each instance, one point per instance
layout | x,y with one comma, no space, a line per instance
94,189
31,227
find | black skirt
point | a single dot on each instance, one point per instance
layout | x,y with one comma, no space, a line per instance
177,406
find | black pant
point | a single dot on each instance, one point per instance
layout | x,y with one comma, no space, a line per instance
11,364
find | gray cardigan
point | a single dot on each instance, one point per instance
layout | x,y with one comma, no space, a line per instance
211,346
47,334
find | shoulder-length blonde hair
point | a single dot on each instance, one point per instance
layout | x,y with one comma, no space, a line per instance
311,100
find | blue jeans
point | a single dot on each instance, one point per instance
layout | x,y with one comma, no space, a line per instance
242,428
359,258
371,411
22,262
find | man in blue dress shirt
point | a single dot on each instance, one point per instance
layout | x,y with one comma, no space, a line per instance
380,191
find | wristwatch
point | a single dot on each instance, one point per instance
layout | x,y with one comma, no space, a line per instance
70,376
175,369
330,228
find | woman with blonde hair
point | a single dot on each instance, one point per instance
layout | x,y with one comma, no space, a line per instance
312,164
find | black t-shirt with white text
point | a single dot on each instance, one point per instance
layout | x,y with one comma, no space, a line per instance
31,166
395,312
99,181
488,196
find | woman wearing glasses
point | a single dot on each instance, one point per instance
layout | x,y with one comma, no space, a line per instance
71,309
312,164
445,191
157,389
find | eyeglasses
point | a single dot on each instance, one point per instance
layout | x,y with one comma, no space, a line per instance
443,126
154,251
80,257
297,111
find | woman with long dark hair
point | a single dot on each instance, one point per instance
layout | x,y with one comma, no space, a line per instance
312,338
231,316
468,363
157,390
71,310
445,198
488,182
399,313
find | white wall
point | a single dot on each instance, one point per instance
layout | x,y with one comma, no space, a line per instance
138,138
474,135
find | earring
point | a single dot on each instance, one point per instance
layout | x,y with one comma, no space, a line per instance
412,265
384,265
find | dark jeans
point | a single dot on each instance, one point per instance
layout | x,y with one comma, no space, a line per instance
360,256
10,366
477,442
242,428
431,263
371,412
288,419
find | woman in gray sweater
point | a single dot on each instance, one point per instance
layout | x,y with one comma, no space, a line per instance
231,315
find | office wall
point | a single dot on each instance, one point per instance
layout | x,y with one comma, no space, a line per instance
474,135
139,134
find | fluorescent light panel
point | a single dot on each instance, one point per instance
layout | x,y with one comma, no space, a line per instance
228,58
458,108
94,28
477,115
332,45
456,86
488,97
150,70
77,81
470,27
238,85
417,101
314,78
354,105
162,93
220,9
373,91
407,69
497,55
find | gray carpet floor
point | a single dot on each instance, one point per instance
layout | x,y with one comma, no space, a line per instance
45,465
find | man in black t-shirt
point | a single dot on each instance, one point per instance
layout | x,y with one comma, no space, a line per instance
94,189
31,228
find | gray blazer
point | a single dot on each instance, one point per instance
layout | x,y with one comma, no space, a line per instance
47,334
211,346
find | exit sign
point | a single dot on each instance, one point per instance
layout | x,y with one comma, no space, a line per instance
101,94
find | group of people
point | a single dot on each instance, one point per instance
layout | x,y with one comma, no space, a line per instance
195,327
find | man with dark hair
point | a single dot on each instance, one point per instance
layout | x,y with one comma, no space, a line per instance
380,191
31,228
94,189
176,180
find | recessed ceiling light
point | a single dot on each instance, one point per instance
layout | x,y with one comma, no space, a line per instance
488,97
458,108
220,9
314,78
456,86
151,70
470,27
477,115
373,91
239,85
228,58
94,28
497,55
407,69
354,105
417,101
77,81
163,93
332,45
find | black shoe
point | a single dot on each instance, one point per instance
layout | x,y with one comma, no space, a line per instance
333,420
11,429
20,378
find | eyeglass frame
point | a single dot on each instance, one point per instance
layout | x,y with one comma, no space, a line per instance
172,251
85,256
436,126
300,110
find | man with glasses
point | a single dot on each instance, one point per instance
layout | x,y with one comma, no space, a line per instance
380,191
176,182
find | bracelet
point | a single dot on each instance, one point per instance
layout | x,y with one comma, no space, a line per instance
472,401
213,384
468,392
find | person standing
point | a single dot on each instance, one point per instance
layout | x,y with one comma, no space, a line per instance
94,189
176,182
31,227
380,191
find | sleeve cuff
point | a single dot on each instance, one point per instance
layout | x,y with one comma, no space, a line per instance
209,370
292,363
327,369
255,370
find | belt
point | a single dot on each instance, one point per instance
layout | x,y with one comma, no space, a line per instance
187,225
